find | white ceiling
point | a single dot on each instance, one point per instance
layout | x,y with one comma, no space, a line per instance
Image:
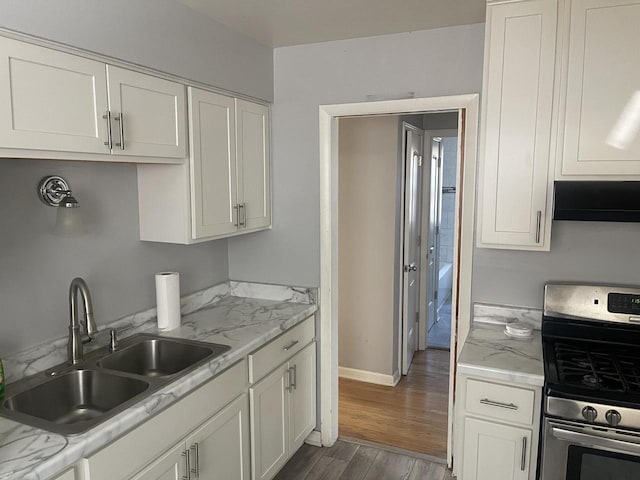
278,23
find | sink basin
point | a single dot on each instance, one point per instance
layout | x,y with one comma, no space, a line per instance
75,400
160,357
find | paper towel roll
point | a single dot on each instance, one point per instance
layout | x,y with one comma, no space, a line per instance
168,300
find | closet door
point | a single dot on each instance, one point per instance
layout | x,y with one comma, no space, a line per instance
51,100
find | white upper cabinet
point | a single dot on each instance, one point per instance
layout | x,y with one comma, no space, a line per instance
254,194
225,189
213,164
148,114
516,183
65,106
51,100
601,95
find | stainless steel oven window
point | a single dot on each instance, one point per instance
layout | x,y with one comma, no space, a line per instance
594,464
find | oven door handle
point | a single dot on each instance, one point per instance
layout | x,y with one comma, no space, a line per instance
595,441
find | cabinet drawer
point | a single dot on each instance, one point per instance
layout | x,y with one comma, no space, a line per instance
500,401
279,350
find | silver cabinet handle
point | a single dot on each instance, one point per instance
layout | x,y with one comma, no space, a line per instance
107,117
523,460
492,403
236,208
294,382
196,460
287,382
286,348
187,466
243,210
120,120
538,225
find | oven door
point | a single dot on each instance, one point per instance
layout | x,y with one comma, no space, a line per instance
572,451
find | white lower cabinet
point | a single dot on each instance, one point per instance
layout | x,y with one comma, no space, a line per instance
218,450
495,452
497,426
283,412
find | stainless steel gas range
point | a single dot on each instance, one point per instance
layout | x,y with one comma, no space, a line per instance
591,345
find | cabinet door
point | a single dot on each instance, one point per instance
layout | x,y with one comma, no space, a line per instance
170,466
220,448
269,401
602,116
51,100
254,172
495,452
148,114
519,82
303,395
213,164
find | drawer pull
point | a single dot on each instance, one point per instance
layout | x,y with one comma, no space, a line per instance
291,345
510,406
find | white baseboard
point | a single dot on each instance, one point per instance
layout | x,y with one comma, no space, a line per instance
314,438
370,377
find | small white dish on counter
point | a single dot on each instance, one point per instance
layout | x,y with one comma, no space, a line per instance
518,330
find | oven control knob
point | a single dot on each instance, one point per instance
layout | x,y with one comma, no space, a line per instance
613,417
589,414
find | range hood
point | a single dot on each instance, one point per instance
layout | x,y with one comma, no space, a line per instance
597,201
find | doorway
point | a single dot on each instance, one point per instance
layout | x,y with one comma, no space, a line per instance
385,182
467,105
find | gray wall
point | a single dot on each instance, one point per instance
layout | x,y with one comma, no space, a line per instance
448,218
580,252
36,266
368,205
162,34
435,62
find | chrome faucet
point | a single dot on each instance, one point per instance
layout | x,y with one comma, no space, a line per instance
76,340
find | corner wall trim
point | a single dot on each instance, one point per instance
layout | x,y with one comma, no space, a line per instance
370,377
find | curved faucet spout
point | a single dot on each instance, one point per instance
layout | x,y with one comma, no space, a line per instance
74,350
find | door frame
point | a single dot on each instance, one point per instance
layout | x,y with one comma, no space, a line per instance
406,127
429,135
467,105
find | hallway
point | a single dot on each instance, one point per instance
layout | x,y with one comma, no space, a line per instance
411,416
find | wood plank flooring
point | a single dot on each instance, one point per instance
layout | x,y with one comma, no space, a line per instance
411,415
351,461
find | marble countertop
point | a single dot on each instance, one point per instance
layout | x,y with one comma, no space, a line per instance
28,453
489,353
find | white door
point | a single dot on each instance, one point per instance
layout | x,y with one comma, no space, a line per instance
148,115
269,400
518,99
432,241
411,251
51,100
495,452
303,395
602,119
220,448
213,164
254,174
172,465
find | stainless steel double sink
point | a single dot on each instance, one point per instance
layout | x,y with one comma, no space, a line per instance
72,399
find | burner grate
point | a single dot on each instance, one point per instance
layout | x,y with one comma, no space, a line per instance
598,367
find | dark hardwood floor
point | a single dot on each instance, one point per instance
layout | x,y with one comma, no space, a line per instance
351,461
410,416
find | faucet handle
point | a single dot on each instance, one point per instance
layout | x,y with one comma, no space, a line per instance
113,342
